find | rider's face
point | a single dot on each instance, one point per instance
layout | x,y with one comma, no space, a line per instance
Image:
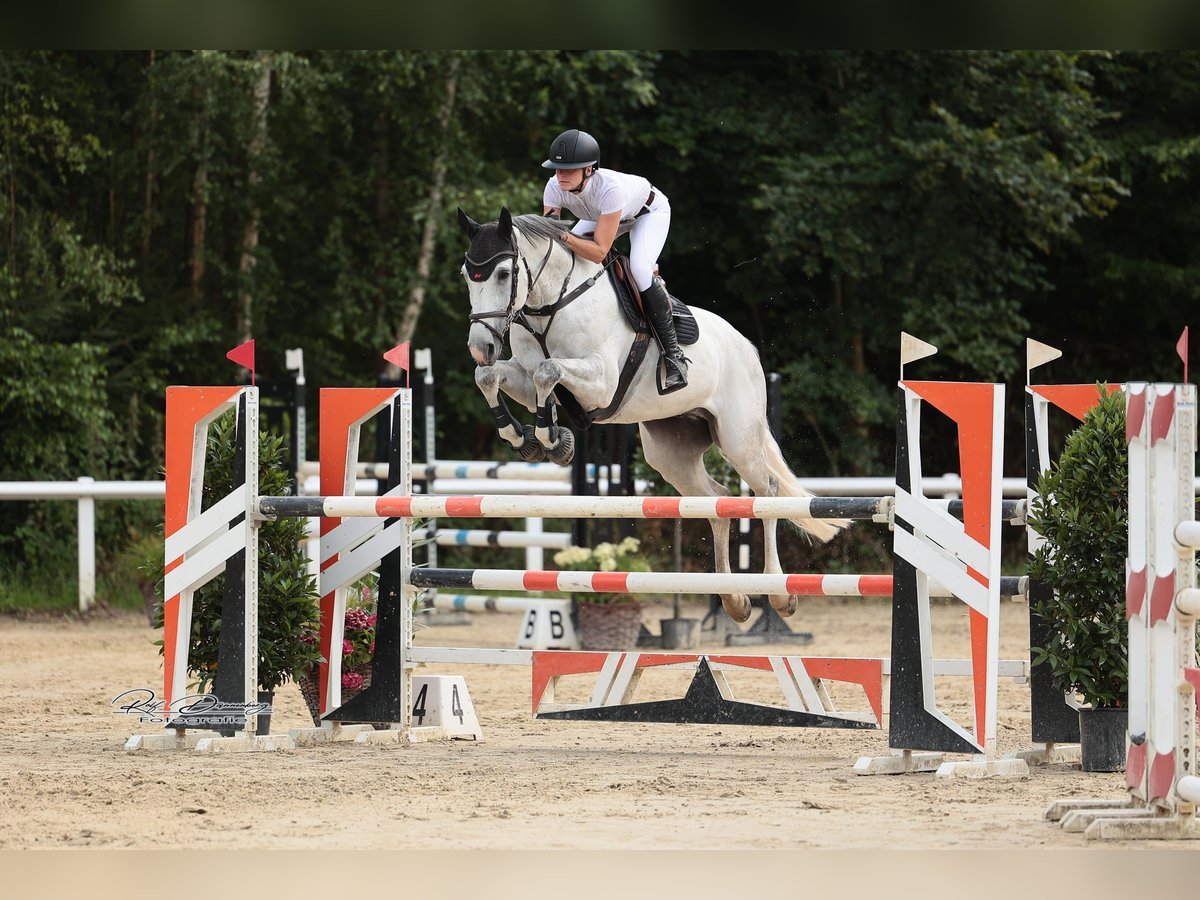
570,179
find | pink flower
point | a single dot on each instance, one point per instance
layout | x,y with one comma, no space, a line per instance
307,639
372,648
347,648
352,680
371,620
357,619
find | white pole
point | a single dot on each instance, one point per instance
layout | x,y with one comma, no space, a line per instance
533,555
87,545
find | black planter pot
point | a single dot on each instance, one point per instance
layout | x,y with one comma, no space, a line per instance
1102,738
264,719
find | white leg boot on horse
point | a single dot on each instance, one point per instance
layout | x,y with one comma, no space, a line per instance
657,303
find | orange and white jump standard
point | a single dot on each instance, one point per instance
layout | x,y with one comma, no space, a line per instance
199,547
929,545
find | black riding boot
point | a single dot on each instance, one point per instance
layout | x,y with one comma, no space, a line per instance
657,304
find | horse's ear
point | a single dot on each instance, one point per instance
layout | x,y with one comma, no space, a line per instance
504,231
469,226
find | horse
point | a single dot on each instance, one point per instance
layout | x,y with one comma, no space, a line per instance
574,337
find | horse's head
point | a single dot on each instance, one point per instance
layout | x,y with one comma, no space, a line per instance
491,274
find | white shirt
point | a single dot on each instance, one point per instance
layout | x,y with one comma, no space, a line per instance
605,192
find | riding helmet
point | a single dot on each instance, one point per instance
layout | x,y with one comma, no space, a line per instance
573,149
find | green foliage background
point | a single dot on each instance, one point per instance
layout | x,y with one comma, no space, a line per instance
822,201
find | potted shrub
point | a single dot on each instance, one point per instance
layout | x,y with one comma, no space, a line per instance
606,621
1081,509
287,594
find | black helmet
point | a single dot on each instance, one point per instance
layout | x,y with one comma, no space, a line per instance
573,149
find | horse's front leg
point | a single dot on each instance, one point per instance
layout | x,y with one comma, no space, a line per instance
513,380
585,378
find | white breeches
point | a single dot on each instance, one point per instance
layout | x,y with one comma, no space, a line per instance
646,239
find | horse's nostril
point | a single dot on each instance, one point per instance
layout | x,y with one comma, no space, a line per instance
491,351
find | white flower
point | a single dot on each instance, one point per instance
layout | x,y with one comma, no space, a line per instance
571,556
629,545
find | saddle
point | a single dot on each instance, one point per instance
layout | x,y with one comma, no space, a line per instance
687,332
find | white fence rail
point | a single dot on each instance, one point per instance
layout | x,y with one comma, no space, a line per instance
85,491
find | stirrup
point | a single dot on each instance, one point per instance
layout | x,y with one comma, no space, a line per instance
675,369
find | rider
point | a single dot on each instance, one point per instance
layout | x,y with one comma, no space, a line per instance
609,203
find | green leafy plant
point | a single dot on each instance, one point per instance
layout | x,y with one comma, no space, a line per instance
606,557
1081,510
287,593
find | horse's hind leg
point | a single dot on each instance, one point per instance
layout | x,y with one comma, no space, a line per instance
785,606
675,449
748,461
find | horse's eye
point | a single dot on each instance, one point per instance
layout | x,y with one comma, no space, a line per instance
502,274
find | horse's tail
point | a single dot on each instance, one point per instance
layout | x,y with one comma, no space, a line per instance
787,485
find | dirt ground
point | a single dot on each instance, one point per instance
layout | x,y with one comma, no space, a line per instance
67,781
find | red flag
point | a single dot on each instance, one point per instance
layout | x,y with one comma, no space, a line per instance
398,356
1181,348
243,355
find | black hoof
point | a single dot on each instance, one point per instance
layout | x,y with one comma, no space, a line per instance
530,450
564,451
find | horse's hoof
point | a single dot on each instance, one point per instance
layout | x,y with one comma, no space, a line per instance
564,451
737,606
785,606
530,450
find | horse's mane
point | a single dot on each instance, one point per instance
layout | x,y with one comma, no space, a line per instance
534,225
